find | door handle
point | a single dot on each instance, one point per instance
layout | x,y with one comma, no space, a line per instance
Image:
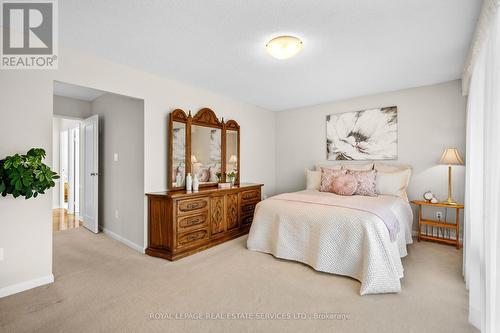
95,174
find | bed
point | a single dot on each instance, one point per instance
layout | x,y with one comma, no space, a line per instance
335,234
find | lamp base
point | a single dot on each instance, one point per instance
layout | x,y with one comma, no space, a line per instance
450,201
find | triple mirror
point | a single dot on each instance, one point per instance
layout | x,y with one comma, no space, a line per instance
203,146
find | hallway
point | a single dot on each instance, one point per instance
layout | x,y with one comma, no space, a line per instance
61,220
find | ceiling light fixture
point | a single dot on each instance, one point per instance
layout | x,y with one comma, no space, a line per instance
284,47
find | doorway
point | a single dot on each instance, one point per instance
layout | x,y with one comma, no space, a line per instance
99,154
66,162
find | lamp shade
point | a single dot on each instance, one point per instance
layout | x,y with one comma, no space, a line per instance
193,159
233,159
451,156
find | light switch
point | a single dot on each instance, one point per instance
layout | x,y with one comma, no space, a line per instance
115,157
1,253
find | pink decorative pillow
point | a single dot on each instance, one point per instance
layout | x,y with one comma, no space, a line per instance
345,184
327,178
366,182
203,175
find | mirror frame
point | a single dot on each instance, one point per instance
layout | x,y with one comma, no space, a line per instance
232,125
180,116
207,118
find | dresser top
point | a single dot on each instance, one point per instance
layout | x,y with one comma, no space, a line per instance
204,191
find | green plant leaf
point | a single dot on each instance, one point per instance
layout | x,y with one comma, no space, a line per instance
26,175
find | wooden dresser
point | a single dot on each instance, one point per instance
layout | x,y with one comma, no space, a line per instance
182,223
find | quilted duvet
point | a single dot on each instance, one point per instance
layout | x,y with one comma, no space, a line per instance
335,239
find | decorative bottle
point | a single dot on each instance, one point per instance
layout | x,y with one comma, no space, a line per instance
189,182
196,183
178,179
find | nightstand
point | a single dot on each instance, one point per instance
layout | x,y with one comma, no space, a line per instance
443,234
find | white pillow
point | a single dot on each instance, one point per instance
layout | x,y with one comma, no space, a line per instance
313,179
393,183
358,167
385,167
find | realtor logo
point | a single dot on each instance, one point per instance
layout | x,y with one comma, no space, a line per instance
29,34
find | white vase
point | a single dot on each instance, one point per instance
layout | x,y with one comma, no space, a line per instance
196,184
189,183
231,180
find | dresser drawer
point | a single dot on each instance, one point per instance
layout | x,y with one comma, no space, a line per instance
248,209
247,219
192,222
190,206
250,196
192,237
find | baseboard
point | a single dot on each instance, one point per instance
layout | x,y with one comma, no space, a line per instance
125,241
19,287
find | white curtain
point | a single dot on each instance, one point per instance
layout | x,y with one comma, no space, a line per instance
482,212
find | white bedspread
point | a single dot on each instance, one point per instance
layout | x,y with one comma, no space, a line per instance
335,239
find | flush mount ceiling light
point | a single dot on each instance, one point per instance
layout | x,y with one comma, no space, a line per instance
284,47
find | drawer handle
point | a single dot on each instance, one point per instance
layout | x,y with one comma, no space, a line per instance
193,237
247,209
250,195
192,205
194,221
196,236
248,220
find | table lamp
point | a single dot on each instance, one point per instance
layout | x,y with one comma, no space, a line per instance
450,157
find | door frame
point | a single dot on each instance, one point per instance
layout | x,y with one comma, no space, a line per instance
74,173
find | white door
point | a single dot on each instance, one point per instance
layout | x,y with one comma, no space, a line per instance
91,173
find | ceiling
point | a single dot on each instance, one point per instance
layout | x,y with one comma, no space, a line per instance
76,92
351,47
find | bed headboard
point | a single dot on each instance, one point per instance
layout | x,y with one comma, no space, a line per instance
386,166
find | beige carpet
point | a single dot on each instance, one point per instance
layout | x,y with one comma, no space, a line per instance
103,286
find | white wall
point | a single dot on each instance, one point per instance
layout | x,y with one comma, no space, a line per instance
430,119
121,184
71,108
25,225
26,99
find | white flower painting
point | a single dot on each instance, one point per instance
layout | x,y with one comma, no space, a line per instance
363,135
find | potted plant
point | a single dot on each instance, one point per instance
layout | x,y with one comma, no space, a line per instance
26,175
231,176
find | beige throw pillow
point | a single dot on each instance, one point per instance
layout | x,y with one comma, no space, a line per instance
393,183
386,167
313,179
